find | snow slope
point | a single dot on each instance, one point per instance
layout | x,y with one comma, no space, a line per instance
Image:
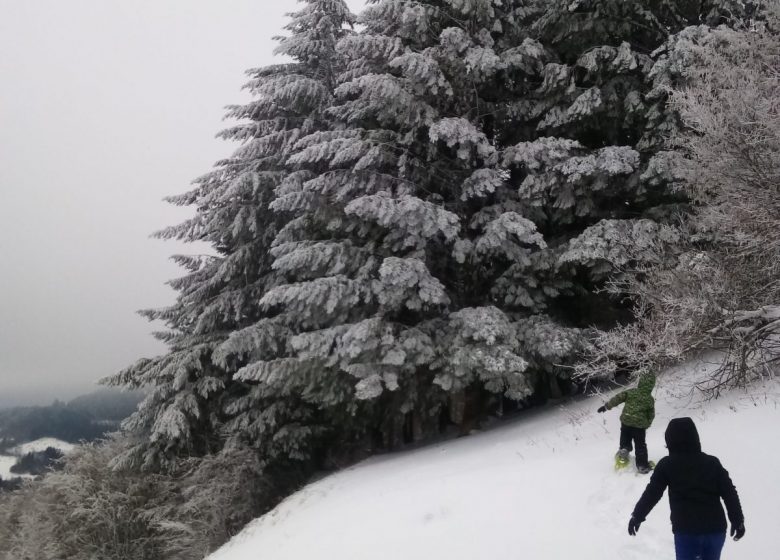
540,487
41,445
6,462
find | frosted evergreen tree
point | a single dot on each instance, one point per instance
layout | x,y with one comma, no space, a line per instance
586,152
496,163
194,402
404,222
418,222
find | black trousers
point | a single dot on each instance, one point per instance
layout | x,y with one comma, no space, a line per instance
637,435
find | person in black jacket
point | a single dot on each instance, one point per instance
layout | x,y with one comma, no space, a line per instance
697,482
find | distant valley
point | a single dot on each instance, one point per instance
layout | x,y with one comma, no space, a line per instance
33,438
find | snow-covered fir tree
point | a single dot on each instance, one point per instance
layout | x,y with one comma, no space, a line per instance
194,401
384,289
496,162
418,222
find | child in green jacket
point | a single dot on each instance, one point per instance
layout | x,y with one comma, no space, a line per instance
637,416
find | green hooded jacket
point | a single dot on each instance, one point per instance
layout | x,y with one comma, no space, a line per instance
639,408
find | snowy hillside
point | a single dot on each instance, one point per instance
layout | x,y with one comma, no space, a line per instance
540,487
7,461
41,445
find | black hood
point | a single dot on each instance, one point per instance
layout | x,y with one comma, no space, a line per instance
682,436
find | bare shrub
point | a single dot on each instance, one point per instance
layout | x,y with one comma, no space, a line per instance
91,511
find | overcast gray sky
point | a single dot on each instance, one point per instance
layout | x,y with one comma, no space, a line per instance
105,108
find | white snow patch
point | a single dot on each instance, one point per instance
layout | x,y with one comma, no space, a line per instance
6,462
542,486
42,445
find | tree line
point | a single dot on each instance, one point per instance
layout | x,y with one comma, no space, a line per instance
85,418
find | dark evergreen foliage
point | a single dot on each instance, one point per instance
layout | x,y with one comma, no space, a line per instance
418,224
38,462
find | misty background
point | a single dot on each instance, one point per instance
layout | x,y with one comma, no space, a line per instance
105,108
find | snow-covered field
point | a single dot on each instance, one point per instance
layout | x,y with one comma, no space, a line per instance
41,445
539,487
7,461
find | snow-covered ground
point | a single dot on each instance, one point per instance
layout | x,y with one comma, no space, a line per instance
42,445
540,487
7,461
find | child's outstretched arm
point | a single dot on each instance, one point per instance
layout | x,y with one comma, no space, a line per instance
616,400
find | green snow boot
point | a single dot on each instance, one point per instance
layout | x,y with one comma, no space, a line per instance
621,459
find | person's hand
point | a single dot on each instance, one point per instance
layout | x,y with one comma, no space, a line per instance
633,526
738,531
602,409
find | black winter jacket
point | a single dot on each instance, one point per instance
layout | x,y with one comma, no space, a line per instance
696,482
